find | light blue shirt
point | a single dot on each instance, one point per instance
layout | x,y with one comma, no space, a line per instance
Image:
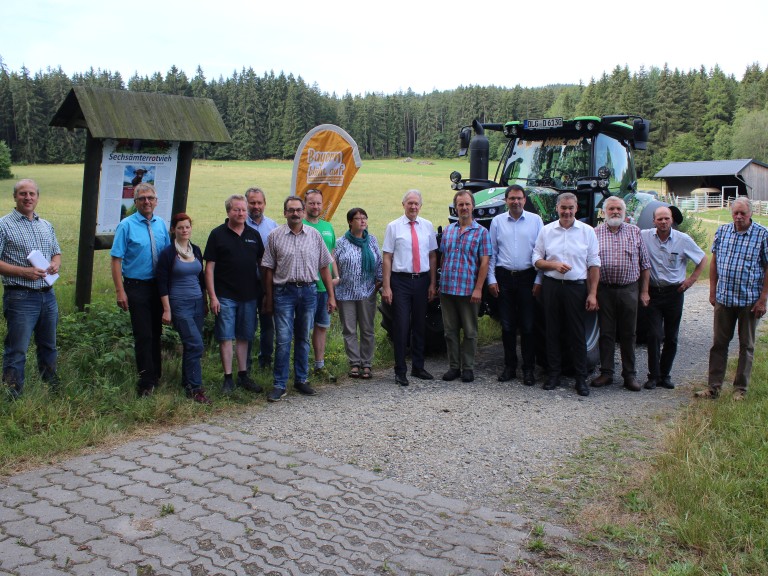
132,244
512,242
266,226
669,259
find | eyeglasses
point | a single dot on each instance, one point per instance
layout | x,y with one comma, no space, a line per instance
360,218
146,198
294,210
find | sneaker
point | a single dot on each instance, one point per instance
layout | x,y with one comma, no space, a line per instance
323,374
276,394
304,388
200,397
229,385
244,381
739,394
146,392
709,393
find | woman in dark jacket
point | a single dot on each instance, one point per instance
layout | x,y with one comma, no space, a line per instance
181,284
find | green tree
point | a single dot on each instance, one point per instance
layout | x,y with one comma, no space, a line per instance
5,161
686,148
750,135
722,145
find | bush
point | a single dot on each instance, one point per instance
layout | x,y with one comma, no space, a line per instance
5,161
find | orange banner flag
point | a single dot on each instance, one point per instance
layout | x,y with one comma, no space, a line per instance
327,159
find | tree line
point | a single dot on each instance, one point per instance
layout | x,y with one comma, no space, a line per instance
695,115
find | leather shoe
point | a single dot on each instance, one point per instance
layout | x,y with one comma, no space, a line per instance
451,375
551,383
666,382
581,388
507,374
421,374
650,384
632,384
529,379
602,380
467,376
401,380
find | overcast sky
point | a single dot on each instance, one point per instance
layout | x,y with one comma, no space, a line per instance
385,46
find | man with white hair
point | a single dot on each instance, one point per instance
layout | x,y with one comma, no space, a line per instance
738,289
409,282
624,276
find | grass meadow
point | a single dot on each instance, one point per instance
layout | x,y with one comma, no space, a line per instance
695,505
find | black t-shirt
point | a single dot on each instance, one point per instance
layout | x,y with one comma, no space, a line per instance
237,259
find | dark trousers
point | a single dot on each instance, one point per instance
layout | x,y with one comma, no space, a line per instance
409,312
618,321
146,321
564,308
664,314
516,313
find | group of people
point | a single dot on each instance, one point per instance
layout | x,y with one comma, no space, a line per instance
287,280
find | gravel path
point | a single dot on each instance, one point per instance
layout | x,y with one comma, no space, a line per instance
477,441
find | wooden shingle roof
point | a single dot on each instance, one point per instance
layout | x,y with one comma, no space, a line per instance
141,115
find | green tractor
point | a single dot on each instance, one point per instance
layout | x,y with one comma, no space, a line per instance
589,156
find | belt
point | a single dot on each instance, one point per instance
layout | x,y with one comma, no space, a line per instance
664,289
502,271
137,281
299,284
16,287
410,274
616,286
575,282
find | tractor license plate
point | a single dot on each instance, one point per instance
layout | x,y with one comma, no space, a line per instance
543,123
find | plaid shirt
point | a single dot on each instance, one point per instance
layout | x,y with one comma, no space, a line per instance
741,259
461,257
18,237
622,254
295,257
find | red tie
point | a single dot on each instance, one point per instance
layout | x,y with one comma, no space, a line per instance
415,248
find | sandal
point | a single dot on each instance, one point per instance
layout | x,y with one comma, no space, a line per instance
366,375
709,393
354,372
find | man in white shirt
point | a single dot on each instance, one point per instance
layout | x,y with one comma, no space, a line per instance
409,282
567,252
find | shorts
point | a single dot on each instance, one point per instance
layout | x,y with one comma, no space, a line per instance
322,318
236,320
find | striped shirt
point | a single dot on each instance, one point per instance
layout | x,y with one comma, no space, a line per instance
18,237
741,258
295,257
462,251
623,254
352,285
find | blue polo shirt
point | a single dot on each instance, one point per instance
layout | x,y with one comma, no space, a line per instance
132,244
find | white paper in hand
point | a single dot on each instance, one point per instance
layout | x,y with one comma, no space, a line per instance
37,260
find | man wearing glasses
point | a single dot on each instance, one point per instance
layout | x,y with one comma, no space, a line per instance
139,238
294,257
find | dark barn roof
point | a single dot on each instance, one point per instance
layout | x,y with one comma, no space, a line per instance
141,115
704,168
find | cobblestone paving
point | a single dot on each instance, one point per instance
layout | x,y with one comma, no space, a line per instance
208,500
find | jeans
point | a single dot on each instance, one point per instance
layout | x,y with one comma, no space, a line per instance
188,316
266,336
146,321
27,311
294,312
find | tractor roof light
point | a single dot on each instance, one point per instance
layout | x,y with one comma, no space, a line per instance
578,125
590,126
455,176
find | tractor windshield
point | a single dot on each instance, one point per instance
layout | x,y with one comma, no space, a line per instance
554,162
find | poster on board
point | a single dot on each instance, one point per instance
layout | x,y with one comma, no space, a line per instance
124,165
